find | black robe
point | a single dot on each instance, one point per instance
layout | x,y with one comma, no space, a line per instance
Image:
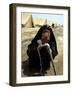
34,60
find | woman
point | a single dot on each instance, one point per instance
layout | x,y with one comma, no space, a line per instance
44,36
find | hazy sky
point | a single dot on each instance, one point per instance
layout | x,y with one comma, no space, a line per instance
58,18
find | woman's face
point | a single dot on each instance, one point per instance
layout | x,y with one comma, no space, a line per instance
45,37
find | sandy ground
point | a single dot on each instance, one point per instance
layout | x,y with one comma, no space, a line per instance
27,35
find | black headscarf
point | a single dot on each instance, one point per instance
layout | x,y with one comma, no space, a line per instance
52,41
32,47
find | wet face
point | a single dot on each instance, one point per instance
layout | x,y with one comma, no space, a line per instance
45,36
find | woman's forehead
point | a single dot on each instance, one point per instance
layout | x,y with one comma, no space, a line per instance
46,32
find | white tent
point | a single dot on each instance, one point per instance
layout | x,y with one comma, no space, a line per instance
39,21
26,20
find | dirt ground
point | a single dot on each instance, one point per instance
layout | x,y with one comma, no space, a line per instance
26,36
